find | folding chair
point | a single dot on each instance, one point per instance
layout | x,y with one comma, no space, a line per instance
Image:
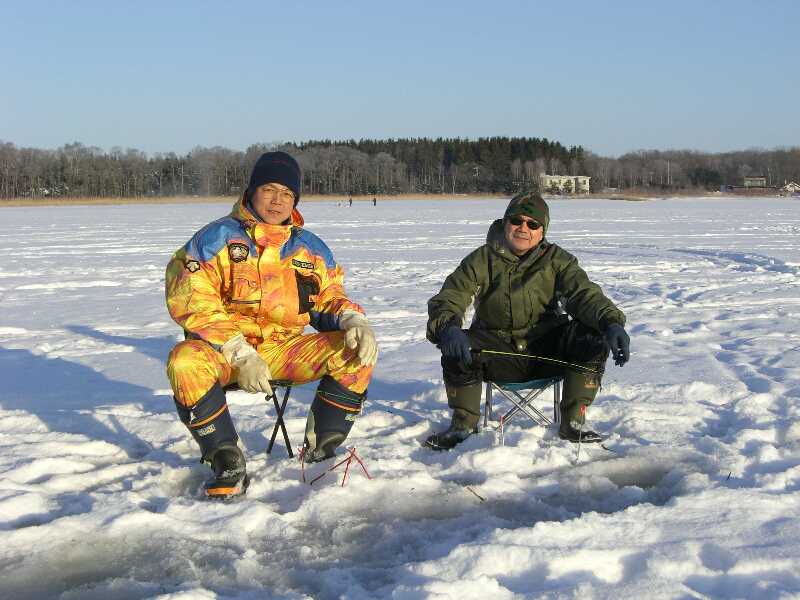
280,408
522,395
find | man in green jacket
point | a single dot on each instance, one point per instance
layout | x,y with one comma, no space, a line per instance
531,297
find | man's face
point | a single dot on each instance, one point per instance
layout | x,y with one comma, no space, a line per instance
522,233
273,202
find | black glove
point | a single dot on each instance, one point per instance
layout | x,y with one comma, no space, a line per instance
619,343
454,344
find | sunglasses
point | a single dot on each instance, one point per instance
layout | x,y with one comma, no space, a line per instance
518,221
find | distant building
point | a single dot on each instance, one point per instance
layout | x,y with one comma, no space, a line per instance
755,181
752,185
569,184
749,191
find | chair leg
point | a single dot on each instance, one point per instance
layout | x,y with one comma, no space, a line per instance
279,423
487,410
527,405
557,402
524,405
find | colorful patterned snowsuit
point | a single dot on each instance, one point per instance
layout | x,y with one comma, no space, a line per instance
240,275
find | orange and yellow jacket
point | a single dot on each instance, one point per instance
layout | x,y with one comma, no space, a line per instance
241,275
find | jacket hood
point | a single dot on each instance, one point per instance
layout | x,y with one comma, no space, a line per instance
496,240
242,212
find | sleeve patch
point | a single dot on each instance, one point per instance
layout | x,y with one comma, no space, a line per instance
213,238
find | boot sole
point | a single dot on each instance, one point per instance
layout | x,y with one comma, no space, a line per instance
597,440
437,447
226,490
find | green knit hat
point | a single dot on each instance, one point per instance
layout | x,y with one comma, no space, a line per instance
531,204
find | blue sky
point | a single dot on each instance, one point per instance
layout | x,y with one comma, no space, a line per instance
709,75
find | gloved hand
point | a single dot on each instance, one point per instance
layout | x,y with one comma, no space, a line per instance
454,344
619,343
253,373
358,334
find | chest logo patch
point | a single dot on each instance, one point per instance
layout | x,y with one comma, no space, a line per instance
192,266
238,251
302,264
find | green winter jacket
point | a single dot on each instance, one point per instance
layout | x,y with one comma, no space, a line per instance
519,298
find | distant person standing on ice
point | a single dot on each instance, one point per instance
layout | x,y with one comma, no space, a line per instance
522,285
243,289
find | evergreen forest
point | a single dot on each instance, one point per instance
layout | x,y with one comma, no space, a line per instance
492,165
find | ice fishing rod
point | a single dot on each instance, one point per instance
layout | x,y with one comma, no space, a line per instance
546,359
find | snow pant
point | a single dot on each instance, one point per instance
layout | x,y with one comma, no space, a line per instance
570,342
197,373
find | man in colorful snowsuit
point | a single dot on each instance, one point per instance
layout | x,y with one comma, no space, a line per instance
243,289
531,297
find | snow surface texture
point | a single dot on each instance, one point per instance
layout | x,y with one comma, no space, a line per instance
99,481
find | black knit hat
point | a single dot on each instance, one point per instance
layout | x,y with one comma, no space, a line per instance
531,204
276,167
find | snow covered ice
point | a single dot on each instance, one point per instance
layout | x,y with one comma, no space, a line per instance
100,484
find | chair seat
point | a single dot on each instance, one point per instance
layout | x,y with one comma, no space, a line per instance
533,384
234,387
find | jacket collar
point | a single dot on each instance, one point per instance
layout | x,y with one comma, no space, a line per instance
496,240
262,233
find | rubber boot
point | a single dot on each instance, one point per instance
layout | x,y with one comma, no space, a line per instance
330,419
210,424
230,472
466,404
580,390
573,425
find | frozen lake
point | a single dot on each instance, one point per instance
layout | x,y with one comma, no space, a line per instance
99,481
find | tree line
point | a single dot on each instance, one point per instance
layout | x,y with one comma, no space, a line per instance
413,165
678,170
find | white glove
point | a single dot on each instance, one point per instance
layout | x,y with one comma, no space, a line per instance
359,334
254,373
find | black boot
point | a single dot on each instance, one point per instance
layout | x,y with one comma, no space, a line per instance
573,422
462,425
210,424
448,439
572,434
324,448
465,400
230,473
330,418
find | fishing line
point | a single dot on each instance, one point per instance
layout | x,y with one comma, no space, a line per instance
547,359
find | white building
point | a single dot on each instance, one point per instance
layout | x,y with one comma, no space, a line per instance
568,184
